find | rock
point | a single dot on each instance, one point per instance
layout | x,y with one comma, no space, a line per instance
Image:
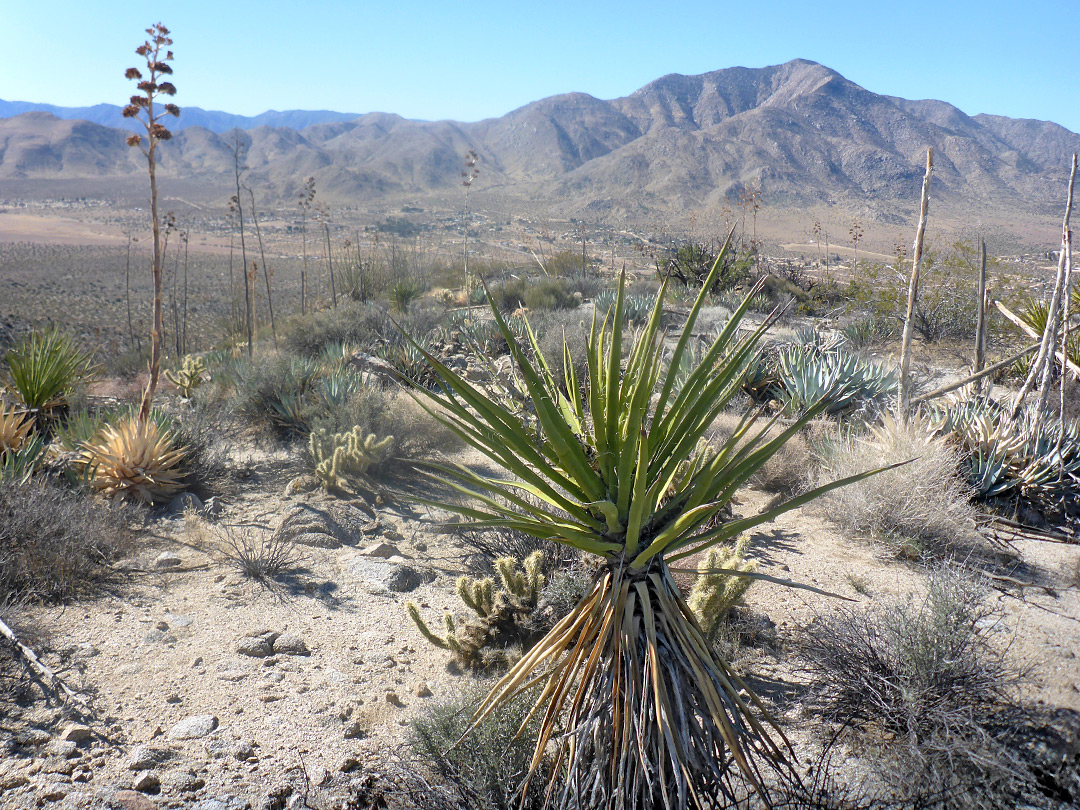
329,525
301,484
242,750
290,644
182,503
144,757
193,727
257,647
162,626
184,782
213,507
369,364
130,800
146,782
380,576
393,699
174,698
381,550
60,748
33,736
76,733
53,792
167,559
177,620
423,690
355,731
58,765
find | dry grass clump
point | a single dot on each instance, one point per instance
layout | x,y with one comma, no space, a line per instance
930,696
920,506
260,556
54,541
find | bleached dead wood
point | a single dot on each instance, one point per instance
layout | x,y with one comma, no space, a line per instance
978,375
54,680
1025,327
913,292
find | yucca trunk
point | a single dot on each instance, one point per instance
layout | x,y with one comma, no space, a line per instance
654,717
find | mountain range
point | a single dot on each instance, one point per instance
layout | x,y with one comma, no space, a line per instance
800,132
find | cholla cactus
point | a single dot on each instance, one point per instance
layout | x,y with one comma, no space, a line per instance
716,592
338,456
190,375
502,616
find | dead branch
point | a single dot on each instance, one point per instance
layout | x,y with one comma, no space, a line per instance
913,291
54,680
978,375
1025,327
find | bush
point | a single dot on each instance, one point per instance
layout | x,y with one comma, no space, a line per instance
488,765
928,692
921,505
262,558
54,541
360,324
536,294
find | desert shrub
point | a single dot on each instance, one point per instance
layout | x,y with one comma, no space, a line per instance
360,324
870,330
543,293
204,429
929,692
920,505
389,412
487,766
54,541
787,471
691,262
552,329
270,389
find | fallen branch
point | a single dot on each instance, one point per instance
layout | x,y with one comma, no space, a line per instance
54,680
1025,327
978,375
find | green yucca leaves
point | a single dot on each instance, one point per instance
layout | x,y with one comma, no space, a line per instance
44,369
619,465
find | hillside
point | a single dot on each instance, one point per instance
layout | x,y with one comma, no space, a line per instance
799,131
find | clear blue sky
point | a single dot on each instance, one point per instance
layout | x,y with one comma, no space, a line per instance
478,59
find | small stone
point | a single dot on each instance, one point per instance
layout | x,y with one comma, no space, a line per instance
146,782
60,748
58,765
177,620
290,644
33,736
167,559
381,551
348,765
162,626
255,647
198,661
393,699
242,750
355,731
184,502
181,782
174,698
76,733
130,800
422,690
53,792
193,727
301,484
144,757
10,781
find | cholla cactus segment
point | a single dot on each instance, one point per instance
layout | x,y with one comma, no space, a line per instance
716,592
15,428
477,594
189,376
134,459
525,584
338,456
412,610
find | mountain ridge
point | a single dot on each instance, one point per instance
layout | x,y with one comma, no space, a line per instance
800,132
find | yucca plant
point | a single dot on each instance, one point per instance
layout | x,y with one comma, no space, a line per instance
636,708
44,368
135,458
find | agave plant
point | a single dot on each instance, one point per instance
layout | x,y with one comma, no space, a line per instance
837,379
637,709
15,429
44,369
136,459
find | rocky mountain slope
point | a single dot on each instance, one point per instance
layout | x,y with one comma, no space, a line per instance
799,131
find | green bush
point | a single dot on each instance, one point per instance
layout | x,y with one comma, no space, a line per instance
358,324
488,765
543,293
